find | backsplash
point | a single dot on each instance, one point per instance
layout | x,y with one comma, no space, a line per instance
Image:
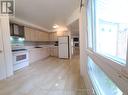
27,43
17,40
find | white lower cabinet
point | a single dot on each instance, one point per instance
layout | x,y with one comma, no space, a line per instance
54,51
37,54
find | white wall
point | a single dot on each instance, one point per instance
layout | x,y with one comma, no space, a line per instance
26,23
2,61
74,16
83,46
81,15
5,30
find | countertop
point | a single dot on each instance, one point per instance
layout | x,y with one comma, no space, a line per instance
40,47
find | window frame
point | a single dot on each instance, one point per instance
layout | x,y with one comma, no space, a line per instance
94,38
118,64
112,58
110,71
91,18
116,71
127,55
93,81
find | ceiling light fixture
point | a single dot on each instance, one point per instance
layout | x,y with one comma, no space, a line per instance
56,26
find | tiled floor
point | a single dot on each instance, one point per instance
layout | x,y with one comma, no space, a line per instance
51,76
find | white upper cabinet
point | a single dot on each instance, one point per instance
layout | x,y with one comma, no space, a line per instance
53,36
35,35
27,34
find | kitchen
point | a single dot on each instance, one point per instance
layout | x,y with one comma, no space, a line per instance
63,47
32,54
30,45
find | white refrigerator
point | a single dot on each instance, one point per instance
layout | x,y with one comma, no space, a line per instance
63,47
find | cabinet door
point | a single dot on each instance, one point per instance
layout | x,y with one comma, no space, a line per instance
52,51
55,36
55,51
38,54
40,36
33,35
37,35
27,34
51,36
45,36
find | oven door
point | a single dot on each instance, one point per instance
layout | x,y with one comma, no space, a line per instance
19,57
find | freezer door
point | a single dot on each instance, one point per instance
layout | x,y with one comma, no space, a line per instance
63,51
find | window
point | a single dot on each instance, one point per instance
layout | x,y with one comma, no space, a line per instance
112,28
103,85
89,14
108,38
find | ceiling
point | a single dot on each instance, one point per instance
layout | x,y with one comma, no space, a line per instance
45,13
74,28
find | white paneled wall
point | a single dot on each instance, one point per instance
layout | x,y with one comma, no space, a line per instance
6,55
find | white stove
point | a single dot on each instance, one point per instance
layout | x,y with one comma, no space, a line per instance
20,57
